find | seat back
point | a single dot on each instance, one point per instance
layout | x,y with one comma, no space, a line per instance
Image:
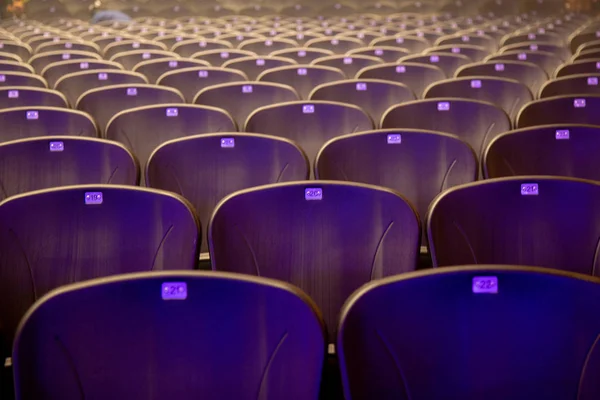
41,61
190,81
41,163
310,124
53,72
349,65
560,110
104,103
26,122
328,238
254,66
250,95
416,76
522,71
303,55
447,62
13,78
545,60
154,69
58,236
303,78
23,96
206,168
273,339
578,67
523,220
381,358
535,151
581,84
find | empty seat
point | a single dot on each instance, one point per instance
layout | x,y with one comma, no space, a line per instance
271,328
387,54
26,122
547,61
558,353
349,65
582,84
190,81
47,162
217,58
447,62
142,129
578,67
525,220
254,66
592,54
21,50
413,44
561,110
4,56
310,124
75,233
62,45
416,76
474,121
155,68
264,47
326,237
41,61
19,96
416,163
558,150
53,72
123,46
372,95
485,41
508,94
249,97
303,78
303,55
75,84
105,102
15,66
562,52
525,72
475,53
339,45
206,168
129,59
187,48
13,78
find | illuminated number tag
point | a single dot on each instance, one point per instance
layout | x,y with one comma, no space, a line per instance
348,60
174,291
400,69
455,50
260,62
361,87
66,56
328,32
172,112
531,36
465,38
533,47
579,103
173,64
420,34
394,138
335,42
93,198
247,89
592,81
499,67
146,56
132,92
443,106
224,54
178,38
202,44
400,40
302,71
68,45
476,84
84,65
239,38
269,43
598,65
530,189
313,194
378,52
227,143
434,58
522,56
360,35
13,94
302,53
118,38
300,36
32,115
135,45
308,109
562,134
102,76
485,284
202,74
57,146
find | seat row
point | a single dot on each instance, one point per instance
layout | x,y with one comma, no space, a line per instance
273,337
